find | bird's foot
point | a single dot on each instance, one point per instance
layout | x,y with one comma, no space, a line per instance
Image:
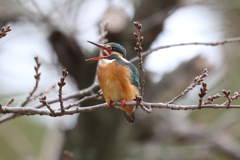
109,104
123,102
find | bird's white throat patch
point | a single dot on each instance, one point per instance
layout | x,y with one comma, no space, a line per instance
104,62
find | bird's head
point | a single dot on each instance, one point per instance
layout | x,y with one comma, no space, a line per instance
110,51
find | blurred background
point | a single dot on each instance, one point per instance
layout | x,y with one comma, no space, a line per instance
57,30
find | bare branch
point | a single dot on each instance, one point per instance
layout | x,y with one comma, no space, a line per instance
35,111
78,94
230,98
146,106
229,40
103,32
139,49
197,81
57,113
61,83
95,96
43,101
139,101
43,92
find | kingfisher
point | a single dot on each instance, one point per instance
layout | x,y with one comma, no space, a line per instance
118,78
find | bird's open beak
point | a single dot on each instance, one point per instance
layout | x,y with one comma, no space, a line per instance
104,54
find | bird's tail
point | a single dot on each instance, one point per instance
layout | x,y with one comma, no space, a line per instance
130,118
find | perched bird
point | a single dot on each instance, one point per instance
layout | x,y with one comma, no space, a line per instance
118,78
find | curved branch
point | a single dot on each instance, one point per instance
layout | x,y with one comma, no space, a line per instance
229,40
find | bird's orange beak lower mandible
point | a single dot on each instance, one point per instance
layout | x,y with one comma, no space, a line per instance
103,48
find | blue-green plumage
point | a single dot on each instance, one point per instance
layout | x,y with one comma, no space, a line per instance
132,69
117,48
134,74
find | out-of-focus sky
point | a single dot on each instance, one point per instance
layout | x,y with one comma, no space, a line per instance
189,24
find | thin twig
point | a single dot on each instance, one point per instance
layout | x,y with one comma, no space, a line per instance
43,92
236,95
4,31
10,102
61,83
229,98
211,99
139,49
197,81
37,78
95,96
229,40
78,94
43,101
103,32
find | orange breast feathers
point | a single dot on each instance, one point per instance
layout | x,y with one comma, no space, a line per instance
116,85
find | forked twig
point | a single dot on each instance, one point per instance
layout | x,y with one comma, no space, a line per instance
139,101
4,31
197,81
230,98
36,107
43,101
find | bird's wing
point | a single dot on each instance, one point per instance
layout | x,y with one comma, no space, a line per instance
134,74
